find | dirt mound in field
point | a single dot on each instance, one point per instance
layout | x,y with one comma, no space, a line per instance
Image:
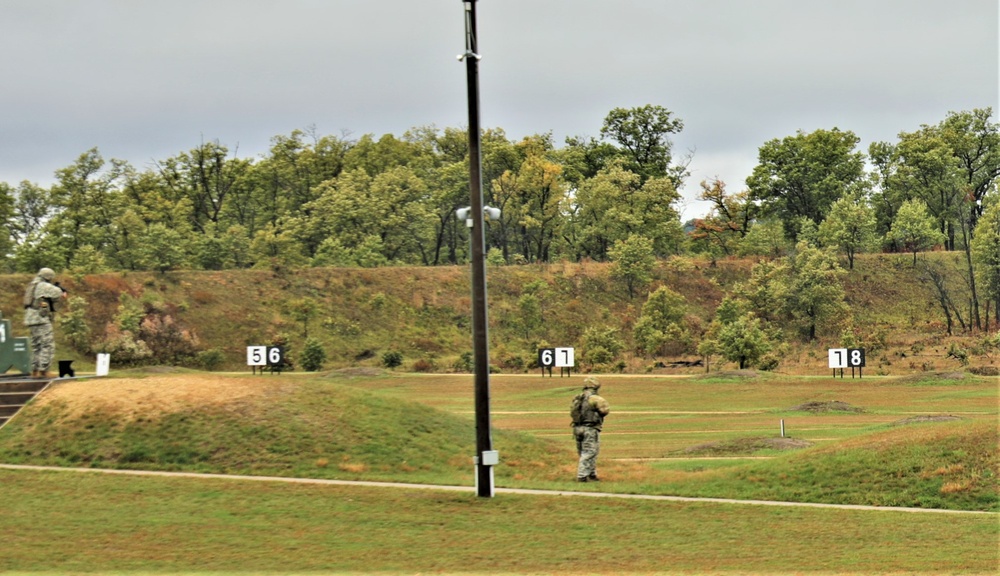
916,378
735,374
926,418
359,371
831,406
744,446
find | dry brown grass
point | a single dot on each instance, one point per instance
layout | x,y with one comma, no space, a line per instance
132,397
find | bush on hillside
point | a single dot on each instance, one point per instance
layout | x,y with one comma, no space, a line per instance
392,359
313,355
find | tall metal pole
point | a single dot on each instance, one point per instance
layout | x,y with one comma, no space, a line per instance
485,456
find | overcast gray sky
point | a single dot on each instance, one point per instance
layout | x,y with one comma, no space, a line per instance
143,80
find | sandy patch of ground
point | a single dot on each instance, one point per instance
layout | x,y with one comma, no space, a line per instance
154,394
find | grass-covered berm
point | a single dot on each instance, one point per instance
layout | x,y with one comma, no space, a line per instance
422,316
886,442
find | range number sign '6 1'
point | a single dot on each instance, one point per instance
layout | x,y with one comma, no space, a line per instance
847,357
556,357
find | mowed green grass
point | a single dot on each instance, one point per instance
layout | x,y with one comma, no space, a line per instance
69,522
421,429
655,420
417,428
653,417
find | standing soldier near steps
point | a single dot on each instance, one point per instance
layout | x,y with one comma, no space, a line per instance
40,299
587,412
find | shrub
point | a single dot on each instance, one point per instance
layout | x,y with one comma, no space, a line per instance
73,323
313,355
123,347
601,345
958,353
392,359
464,363
169,342
423,365
985,370
210,359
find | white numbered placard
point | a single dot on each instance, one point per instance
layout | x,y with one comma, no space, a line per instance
838,358
256,355
564,358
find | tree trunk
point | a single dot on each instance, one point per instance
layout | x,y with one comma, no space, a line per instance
967,240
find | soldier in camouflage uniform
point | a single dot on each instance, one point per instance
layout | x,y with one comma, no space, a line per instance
40,299
588,414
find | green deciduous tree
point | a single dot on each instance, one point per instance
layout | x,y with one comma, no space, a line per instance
632,262
6,227
162,248
974,139
765,238
32,207
814,292
643,135
849,227
913,228
616,204
986,255
728,221
661,321
743,341
803,175
766,291
209,179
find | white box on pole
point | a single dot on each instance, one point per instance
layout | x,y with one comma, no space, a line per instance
103,364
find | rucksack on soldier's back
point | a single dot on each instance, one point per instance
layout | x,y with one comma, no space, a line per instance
576,407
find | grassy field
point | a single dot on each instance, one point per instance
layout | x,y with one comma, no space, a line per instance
923,442
64,523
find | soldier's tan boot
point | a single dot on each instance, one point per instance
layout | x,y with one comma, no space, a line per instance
46,375
34,373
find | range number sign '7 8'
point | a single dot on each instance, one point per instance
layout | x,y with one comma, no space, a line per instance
847,357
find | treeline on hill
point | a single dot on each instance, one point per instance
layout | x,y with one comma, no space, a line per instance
810,206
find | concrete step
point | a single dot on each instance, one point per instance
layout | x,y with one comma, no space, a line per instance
16,397
30,385
9,410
